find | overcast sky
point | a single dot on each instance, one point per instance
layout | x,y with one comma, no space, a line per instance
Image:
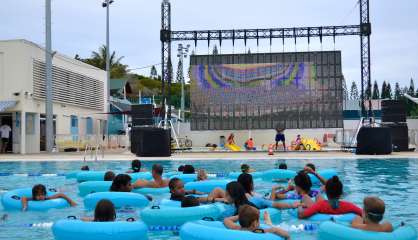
79,27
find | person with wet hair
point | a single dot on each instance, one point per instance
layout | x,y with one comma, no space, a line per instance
310,168
178,193
39,193
249,220
109,176
180,168
373,212
283,166
135,166
157,182
121,183
85,168
334,191
188,169
104,211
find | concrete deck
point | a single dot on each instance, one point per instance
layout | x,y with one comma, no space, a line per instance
127,156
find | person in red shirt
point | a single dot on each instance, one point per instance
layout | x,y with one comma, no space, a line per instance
334,191
249,144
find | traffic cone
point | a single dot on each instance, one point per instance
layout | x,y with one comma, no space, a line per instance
271,150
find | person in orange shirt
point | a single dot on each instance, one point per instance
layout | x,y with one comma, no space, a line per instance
249,144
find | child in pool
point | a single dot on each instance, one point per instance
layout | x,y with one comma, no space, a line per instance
334,191
178,193
121,183
135,166
109,176
104,212
188,169
249,220
373,211
303,190
310,168
39,194
202,175
245,168
246,181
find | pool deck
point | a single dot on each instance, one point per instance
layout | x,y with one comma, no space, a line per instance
127,156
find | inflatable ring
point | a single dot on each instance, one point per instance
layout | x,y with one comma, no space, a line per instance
85,188
235,175
72,174
119,199
206,186
140,175
152,191
320,217
326,174
208,230
278,174
85,176
11,200
332,230
175,216
76,229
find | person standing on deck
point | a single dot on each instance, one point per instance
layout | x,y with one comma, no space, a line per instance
5,137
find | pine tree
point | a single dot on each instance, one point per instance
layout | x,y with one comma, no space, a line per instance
383,92
376,94
368,92
180,76
354,95
215,50
398,93
154,72
249,51
411,90
389,91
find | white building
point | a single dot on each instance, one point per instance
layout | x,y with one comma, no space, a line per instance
79,96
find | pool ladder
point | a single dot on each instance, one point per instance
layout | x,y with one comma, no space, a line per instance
94,152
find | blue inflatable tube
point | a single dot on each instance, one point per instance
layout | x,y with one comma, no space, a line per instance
278,174
206,230
152,191
186,177
85,188
206,186
85,176
119,199
176,216
72,174
140,175
326,173
320,217
332,230
235,175
170,203
11,200
78,230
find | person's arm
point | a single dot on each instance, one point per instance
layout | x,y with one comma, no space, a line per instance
229,223
141,184
62,195
357,223
25,203
305,213
280,205
278,231
87,219
320,178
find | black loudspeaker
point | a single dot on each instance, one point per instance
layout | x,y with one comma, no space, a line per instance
150,142
374,141
393,111
400,137
142,115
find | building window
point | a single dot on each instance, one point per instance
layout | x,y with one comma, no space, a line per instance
89,126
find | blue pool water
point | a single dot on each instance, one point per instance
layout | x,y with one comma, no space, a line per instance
394,180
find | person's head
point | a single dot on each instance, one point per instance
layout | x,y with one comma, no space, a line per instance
334,188
39,192
246,180
136,165
245,168
201,175
249,217
283,166
121,183
311,166
303,183
235,194
181,168
85,168
374,209
190,201
109,176
298,136
251,139
157,170
176,187
188,169
105,211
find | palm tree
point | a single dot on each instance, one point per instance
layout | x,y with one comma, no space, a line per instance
98,59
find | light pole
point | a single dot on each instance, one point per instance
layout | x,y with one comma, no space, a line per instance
182,53
48,81
106,4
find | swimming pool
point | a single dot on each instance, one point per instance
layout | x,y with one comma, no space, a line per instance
394,180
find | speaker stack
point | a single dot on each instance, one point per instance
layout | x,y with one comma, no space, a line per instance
147,140
374,141
394,117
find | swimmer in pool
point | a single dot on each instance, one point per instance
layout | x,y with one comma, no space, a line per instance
373,211
39,194
158,181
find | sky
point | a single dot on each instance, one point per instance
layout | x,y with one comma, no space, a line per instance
78,27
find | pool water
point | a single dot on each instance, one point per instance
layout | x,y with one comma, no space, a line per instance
394,180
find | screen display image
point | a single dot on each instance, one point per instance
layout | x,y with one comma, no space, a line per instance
265,91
